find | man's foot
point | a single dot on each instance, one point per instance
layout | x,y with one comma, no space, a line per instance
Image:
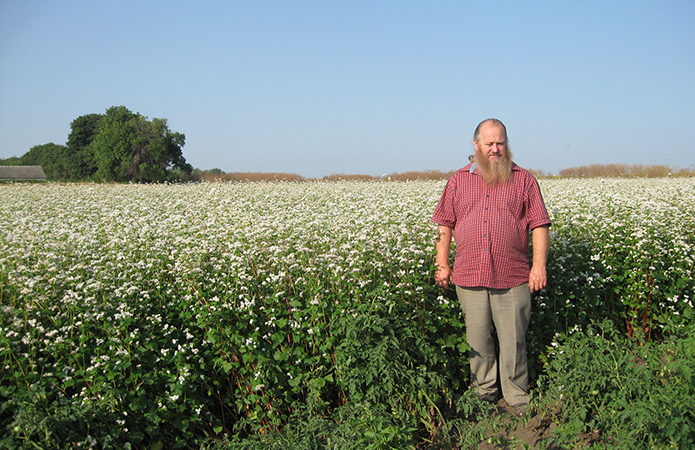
490,398
522,411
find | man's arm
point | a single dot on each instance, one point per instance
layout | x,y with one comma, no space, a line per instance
538,277
444,274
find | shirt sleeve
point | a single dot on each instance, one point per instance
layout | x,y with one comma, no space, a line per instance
444,213
537,213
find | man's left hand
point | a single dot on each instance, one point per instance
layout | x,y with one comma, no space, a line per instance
537,279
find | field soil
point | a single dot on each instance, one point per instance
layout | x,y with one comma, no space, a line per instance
530,432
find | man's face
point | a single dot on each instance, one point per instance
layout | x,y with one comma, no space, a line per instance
492,154
492,144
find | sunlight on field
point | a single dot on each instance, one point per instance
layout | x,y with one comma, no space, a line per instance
234,303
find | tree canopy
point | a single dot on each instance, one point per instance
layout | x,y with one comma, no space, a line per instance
80,156
51,157
119,145
128,147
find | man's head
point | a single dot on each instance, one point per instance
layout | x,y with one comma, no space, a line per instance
492,154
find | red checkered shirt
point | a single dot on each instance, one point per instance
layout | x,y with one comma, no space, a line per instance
491,226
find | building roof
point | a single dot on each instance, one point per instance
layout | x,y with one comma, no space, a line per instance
22,173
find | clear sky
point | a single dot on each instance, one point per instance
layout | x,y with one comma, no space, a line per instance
359,87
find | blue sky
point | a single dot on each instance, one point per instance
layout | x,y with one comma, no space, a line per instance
369,87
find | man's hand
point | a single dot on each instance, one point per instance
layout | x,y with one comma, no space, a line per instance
443,276
538,278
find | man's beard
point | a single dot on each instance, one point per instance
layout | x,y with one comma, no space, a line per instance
497,171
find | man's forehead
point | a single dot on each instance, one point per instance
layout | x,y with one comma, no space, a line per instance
492,132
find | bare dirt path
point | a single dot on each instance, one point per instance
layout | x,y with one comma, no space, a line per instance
512,433
528,432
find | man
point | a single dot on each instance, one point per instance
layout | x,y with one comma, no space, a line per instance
488,207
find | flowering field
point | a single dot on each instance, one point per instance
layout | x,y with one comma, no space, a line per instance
166,315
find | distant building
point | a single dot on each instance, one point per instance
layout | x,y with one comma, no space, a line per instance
22,173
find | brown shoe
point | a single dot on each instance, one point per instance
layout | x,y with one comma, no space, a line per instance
522,411
490,398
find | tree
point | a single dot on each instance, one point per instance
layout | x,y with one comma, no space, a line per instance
51,157
80,157
11,161
128,147
112,143
156,149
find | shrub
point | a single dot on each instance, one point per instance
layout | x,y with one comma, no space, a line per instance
638,395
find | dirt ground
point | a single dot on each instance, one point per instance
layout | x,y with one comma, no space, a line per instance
530,430
516,433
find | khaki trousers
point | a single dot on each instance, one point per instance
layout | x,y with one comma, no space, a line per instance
508,312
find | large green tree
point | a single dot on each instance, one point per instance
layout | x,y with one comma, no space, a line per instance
80,157
129,147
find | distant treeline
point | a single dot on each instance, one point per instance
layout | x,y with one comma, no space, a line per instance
219,175
123,146
626,171
591,171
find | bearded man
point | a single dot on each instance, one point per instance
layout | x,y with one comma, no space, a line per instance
488,207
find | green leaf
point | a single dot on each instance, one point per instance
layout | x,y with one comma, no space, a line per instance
281,355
